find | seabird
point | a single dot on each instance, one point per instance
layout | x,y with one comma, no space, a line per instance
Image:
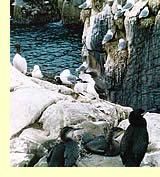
83,67
144,13
104,144
134,143
19,62
108,36
86,5
118,14
67,78
37,72
65,153
127,6
122,44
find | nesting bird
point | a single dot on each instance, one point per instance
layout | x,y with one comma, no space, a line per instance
104,145
67,78
86,5
107,37
134,143
66,153
127,6
118,14
122,44
19,62
37,72
83,67
144,13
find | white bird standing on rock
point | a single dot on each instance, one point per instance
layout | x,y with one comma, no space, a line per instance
144,13
37,72
19,62
83,67
108,36
67,78
122,44
86,5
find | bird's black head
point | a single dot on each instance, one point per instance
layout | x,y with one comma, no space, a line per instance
136,117
64,132
17,46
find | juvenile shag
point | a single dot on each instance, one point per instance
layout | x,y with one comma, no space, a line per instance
66,152
104,145
134,142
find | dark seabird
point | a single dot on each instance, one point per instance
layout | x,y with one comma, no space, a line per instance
66,153
134,142
100,87
104,145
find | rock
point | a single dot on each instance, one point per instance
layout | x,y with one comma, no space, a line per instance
100,161
69,112
154,6
20,159
70,13
33,13
152,159
27,104
42,162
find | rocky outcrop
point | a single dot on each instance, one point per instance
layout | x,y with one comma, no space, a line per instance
27,12
70,13
131,74
39,109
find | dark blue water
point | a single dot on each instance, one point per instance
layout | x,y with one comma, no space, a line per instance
53,47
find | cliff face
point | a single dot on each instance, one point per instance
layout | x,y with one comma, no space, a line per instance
132,74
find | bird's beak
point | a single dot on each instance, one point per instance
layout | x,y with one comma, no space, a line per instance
143,113
77,129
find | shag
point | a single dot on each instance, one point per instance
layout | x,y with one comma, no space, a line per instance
18,61
66,153
134,143
104,145
37,72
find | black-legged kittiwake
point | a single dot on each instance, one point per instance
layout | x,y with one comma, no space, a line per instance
86,5
108,36
37,72
122,44
144,13
67,78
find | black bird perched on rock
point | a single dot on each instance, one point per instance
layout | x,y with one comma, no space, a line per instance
134,142
66,152
104,145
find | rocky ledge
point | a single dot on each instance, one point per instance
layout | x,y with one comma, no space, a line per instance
38,109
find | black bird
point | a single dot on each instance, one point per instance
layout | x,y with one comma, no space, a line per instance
134,142
66,152
104,144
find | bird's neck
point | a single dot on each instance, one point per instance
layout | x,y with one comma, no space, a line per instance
109,136
18,50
